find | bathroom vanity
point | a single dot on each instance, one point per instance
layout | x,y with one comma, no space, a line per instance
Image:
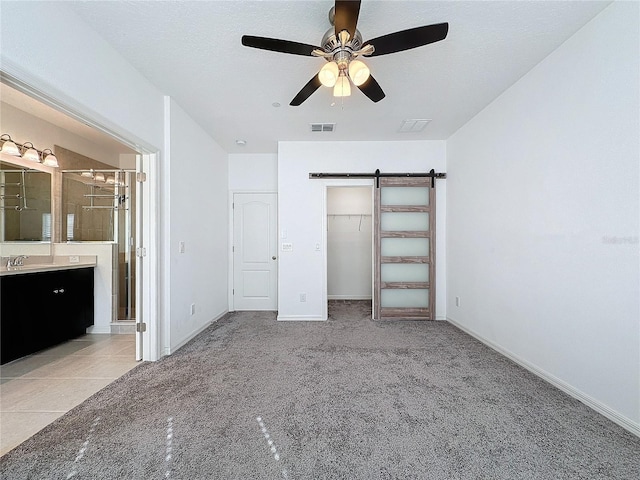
44,304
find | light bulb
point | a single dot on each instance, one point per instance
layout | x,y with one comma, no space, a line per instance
342,87
358,72
329,74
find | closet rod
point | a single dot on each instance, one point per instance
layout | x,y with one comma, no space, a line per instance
377,175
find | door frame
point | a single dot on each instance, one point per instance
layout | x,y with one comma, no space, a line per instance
230,229
17,78
339,182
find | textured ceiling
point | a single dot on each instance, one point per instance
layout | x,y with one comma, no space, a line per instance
191,50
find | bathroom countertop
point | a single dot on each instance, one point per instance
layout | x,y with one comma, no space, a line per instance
35,264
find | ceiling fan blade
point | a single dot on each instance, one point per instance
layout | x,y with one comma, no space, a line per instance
372,89
346,16
276,45
311,86
408,39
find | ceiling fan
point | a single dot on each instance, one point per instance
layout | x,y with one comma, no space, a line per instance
342,45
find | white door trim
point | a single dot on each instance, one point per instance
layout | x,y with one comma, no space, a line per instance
14,75
340,182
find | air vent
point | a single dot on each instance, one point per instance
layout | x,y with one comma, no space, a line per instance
322,127
413,125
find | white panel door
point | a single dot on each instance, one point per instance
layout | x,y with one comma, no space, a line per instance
255,273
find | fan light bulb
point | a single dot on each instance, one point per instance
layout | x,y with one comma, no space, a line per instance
342,87
329,74
358,72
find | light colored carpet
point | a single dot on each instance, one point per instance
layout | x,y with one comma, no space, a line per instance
253,398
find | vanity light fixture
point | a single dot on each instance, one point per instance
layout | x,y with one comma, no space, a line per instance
9,146
50,159
28,151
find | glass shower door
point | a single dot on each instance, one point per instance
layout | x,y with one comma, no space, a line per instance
404,239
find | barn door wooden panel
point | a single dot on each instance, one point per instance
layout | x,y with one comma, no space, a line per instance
404,249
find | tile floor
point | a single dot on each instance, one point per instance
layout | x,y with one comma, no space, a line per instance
37,389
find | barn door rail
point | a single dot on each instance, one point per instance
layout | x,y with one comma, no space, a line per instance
377,175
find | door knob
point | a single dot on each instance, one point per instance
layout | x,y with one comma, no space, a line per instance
273,258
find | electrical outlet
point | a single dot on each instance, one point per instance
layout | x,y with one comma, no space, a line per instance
74,259
303,297
457,301
192,310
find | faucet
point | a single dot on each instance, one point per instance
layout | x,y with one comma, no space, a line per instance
17,261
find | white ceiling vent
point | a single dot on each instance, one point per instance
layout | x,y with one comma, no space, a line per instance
323,127
413,125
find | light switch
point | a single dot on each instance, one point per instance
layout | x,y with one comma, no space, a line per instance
181,247
287,247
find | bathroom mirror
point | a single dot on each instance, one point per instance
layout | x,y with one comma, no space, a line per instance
25,204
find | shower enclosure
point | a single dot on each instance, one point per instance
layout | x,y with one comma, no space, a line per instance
100,206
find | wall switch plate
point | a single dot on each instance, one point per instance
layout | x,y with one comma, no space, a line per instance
181,247
303,297
192,310
457,301
287,247
74,259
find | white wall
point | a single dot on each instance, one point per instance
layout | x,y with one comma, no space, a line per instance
301,212
24,127
253,172
198,217
349,243
542,218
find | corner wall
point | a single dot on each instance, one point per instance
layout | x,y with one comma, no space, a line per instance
543,218
302,216
197,194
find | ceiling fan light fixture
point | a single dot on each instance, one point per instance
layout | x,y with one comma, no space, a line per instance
358,72
342,87
329,74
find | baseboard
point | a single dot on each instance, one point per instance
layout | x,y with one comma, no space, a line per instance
99,329
193,334
589,401
300,318
348,297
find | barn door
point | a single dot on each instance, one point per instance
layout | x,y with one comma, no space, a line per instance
404,249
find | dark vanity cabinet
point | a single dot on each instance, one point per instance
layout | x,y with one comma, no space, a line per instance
41,309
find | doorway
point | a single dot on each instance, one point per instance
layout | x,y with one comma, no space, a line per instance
349,243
